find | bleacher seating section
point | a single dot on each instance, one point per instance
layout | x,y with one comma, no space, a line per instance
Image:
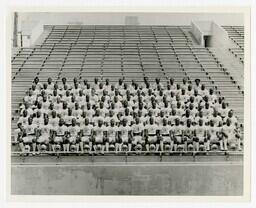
128,52
236,34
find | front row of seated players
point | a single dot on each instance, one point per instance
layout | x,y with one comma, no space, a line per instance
181,136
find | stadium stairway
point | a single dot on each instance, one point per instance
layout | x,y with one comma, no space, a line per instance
129,52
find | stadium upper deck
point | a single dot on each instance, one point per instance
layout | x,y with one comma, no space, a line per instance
129,52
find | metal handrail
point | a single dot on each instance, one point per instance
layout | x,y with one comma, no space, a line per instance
129,153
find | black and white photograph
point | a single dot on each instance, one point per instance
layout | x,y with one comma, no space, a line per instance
128,103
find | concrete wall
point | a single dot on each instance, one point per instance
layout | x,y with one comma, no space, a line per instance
133,179
197,33
219,37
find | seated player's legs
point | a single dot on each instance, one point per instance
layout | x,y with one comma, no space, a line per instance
98,144
152,143
188,143
126,144
232,143
59,141
110,143
118,144
178,143
73,144
43,143
28,142
166,143
215,142
86,143
200,143
138,143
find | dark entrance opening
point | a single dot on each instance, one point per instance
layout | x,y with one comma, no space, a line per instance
207,41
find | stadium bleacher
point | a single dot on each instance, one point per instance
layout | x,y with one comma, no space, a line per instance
126,52
236,34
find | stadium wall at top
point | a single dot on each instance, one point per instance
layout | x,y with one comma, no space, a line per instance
31,23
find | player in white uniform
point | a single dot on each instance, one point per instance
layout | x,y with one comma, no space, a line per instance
120,84
65,85
44,135
224,110
138,140
212,97
207,111
89,112
24,118
107,85
172,84
39,119
190,91
189,136
26,107
59,136
214,137
96,118
18,132
198,84
166,143
124,141
86,136
178,132
184,97
186,116
73,141
127,116
50,83
75,90
199,116
76,112
112,134
29,137
152,135
203,91
99,137
232,118
68,118
231,136
87,90
102,110
200,136
53,119
37,83
81,98
154,109
66,97
215,118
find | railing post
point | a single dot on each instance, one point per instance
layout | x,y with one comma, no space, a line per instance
161,156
